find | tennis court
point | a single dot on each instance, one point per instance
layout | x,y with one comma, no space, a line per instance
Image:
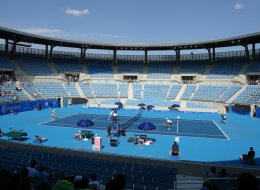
203,132
180,127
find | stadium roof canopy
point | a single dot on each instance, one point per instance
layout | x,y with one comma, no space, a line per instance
18,36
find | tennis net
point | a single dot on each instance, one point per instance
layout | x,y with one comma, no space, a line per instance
131,120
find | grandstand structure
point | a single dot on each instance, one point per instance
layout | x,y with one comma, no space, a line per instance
205,82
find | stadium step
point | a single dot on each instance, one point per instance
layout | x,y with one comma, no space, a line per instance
188,182
130,91
81,93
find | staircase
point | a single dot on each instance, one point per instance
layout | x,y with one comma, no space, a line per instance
18,69
188,182
179,95
53,69
194,92
79,90
25,91
130,91
237,94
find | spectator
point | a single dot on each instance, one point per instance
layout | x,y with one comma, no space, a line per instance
32,171
63,185
111,185
42,175
223,173
249,157
93,183
84,184
109,128
206,185
212,172
120,181
175,149
247,181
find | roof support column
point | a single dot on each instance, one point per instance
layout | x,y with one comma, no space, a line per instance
14,48
253,52
51,51
6,46
46,51
247,53
178,56
145,57
83,50
209,53
213,55
114,56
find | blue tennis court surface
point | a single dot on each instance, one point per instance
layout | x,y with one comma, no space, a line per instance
180,127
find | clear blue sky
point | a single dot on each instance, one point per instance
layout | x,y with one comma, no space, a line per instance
133,21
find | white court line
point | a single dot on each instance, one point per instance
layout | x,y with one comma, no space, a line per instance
221,130
97,118
56,119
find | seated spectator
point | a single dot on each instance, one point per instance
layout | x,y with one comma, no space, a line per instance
93,183
32,171
249,157
120,181
175,149
222,173
212,172
42,175
84,184
111,185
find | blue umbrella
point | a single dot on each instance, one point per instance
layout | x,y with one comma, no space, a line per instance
141,104
85,123
118,103
146,126
175,106
149,107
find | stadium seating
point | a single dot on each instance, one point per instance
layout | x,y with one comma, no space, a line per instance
190,104
130,67
228,93
208,93
32,90
101,69
86,90
174,90
67,65
71,88
47,90
225,69
104,90
5,63
190,89
193,67
123,90
137,175
137,88
251,95
155,70
34,65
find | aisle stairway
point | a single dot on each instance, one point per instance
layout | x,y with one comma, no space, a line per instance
130,91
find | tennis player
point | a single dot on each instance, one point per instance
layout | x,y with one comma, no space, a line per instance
169,123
